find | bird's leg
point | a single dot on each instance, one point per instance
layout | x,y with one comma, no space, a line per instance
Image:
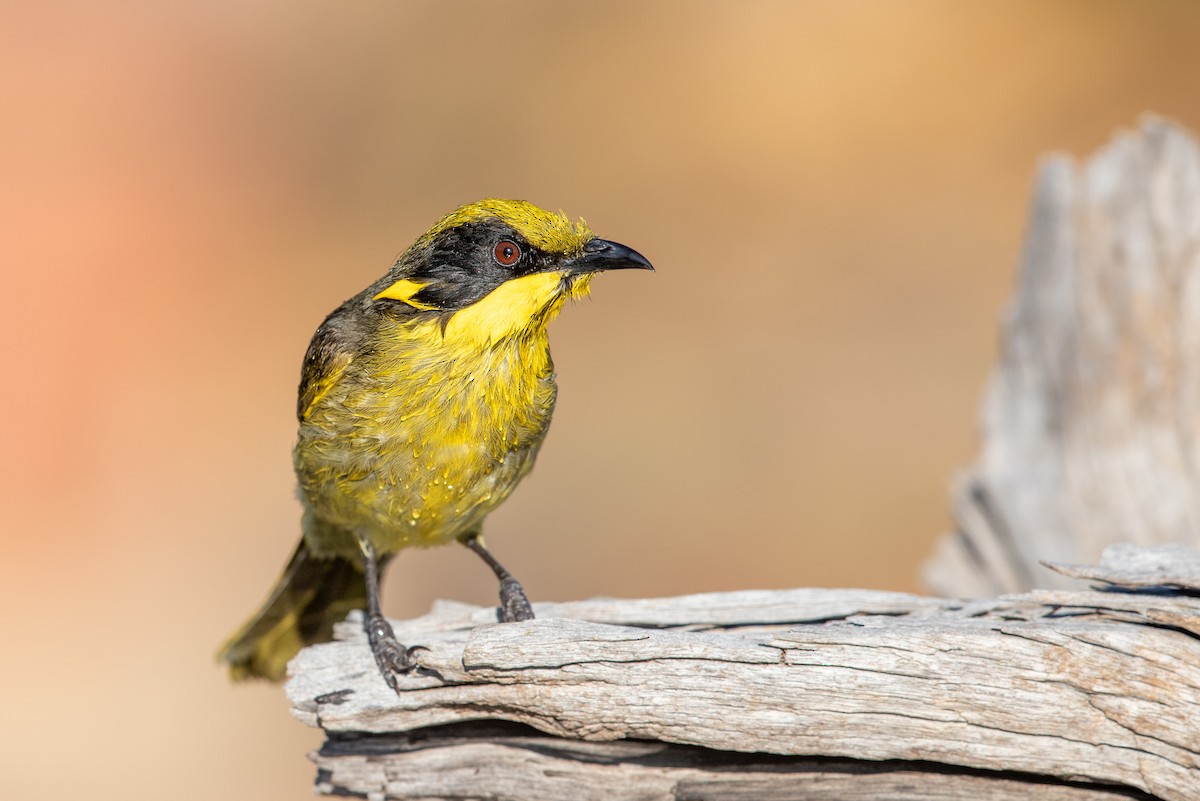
514,605
391,657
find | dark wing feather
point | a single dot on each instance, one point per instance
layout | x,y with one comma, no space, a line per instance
329,354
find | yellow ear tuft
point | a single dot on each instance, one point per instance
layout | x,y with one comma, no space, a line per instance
403,291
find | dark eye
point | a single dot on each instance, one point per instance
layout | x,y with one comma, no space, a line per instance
506,253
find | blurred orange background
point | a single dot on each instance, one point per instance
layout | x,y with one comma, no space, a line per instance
834,194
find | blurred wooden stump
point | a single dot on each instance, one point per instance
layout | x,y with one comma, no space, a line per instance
1091,423
1090,438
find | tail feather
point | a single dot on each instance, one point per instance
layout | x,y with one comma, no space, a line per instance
311,596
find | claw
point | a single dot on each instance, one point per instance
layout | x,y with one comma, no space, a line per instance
391,657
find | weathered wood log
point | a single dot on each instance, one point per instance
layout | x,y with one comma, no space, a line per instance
1091,424
794,694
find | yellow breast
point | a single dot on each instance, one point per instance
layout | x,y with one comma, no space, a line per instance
419,441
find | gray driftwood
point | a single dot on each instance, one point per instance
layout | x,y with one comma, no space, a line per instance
812,694
1091,423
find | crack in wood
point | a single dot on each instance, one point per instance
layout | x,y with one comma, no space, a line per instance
695,772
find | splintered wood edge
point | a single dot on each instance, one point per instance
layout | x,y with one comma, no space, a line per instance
1171,565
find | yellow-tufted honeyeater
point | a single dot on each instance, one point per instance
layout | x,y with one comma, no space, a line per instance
423,401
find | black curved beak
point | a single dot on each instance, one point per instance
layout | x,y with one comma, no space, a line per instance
600,254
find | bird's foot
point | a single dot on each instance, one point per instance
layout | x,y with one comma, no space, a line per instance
514,605
392,657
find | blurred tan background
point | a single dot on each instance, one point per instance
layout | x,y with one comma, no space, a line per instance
834,194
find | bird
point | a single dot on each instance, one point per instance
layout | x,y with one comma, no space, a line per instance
423,402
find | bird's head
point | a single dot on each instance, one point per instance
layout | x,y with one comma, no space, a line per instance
496,268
